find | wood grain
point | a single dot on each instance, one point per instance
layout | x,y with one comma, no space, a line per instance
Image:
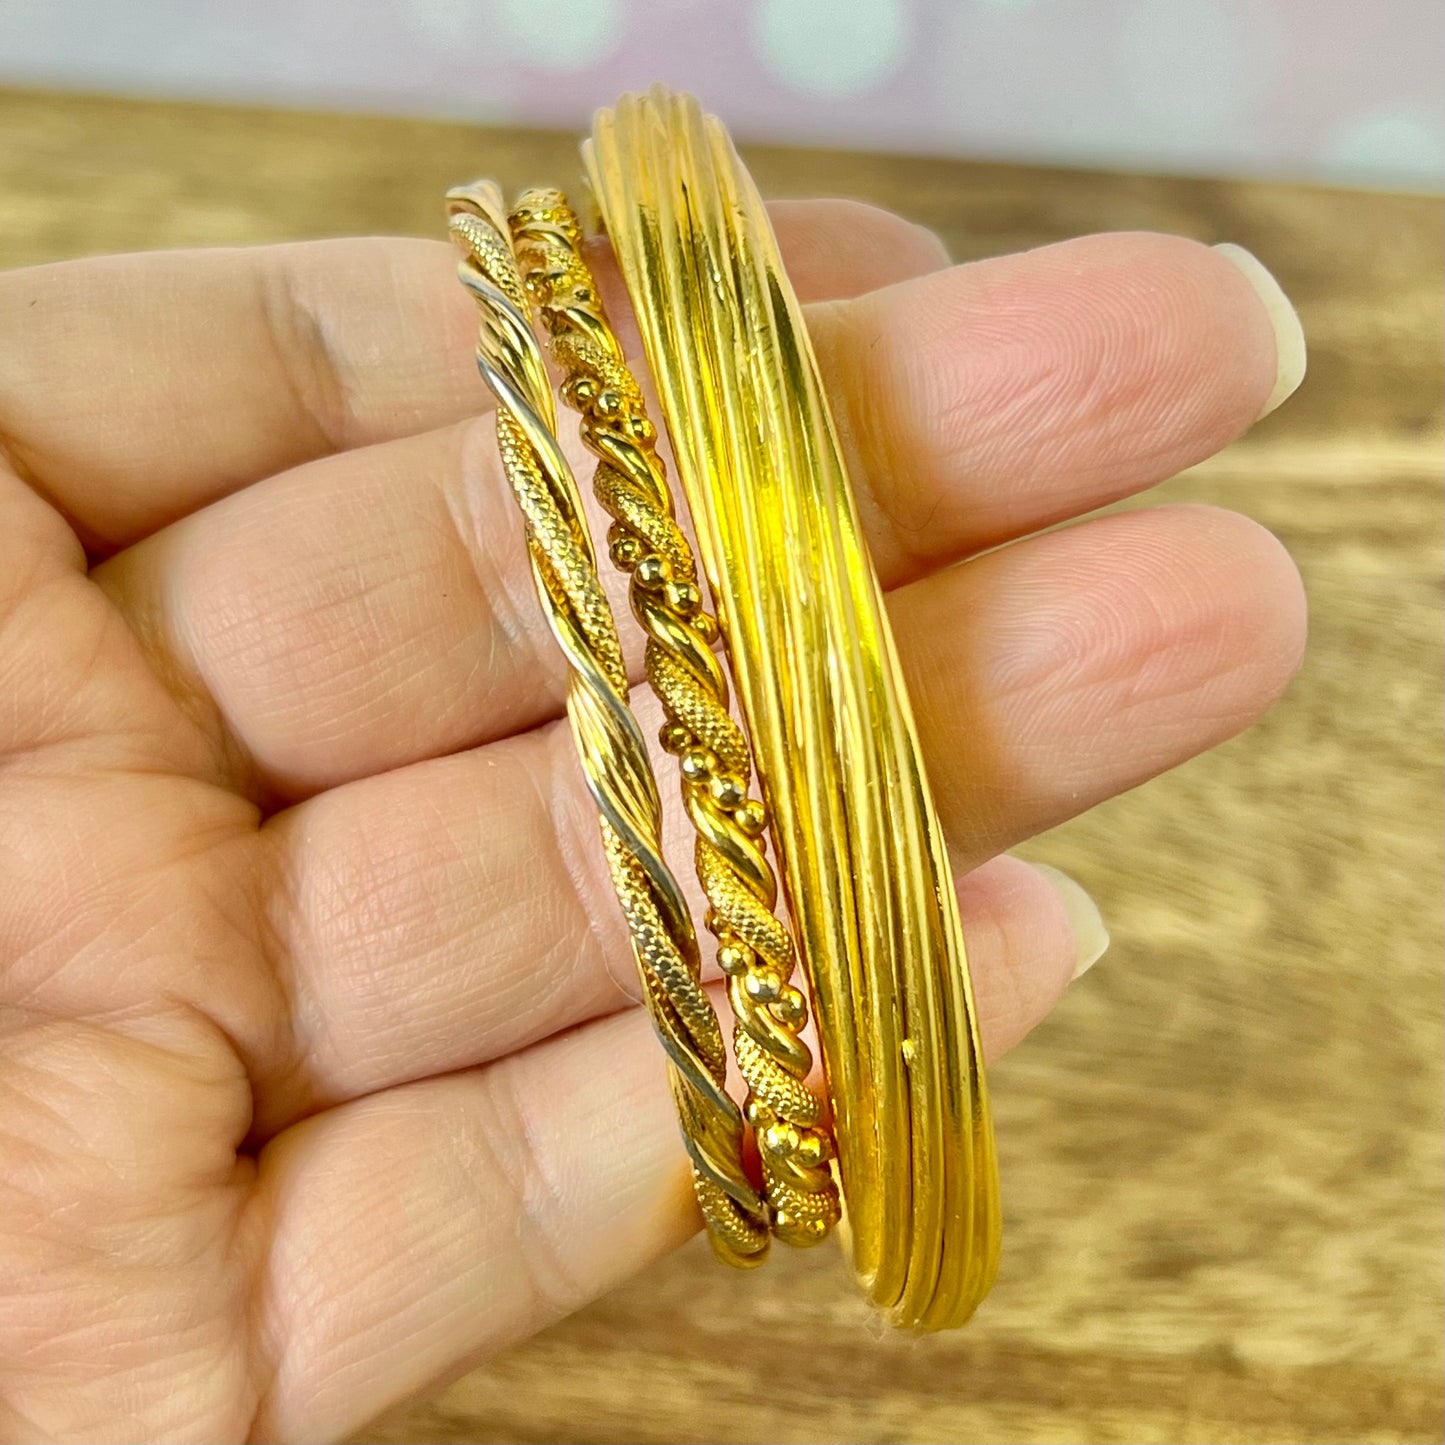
1222,1155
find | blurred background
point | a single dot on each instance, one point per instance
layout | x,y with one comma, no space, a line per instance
1331,90
1222,1154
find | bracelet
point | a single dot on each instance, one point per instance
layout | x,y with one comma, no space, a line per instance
609,743
866,871
755,948
860,852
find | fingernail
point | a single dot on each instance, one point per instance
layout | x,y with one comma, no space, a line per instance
1091,938
1289,336
931,238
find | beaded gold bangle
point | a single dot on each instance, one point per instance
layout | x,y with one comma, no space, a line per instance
609,743
861,851
755,947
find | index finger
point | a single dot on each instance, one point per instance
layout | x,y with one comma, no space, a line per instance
134,389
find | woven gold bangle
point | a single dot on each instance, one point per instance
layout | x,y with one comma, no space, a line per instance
612,750
861,851
755,947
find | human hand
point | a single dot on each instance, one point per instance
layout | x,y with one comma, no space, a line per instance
318,1077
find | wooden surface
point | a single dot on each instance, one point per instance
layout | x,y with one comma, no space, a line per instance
1221,1156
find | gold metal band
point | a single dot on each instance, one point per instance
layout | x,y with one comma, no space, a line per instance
863,859
609,743
754,945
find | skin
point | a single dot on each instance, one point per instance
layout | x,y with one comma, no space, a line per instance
321,1070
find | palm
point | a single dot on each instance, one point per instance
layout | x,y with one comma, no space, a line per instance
318,1073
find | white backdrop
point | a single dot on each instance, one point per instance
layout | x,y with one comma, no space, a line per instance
1345,90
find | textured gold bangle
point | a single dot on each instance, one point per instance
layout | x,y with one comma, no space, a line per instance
609,743
862,855
755,947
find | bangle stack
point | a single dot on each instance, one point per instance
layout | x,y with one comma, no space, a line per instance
826,724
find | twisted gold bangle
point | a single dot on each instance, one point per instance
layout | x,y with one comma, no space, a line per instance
862,855
612,750
754,946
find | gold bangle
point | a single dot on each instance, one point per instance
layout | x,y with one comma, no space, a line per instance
755,947
609,743
862,854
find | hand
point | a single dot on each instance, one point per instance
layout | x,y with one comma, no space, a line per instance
318,1073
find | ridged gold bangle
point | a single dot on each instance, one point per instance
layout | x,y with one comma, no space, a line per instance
861,851
755,947
609,743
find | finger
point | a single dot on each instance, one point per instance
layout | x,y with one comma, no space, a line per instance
1052,383
1051,675
451,912
427,1226
419,1229
134,389
376,608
